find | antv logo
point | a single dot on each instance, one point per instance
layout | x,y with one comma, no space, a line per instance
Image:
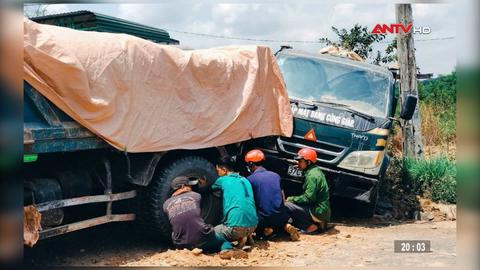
397,28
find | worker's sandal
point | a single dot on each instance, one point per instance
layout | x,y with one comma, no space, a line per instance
327,227
292,231
322,227
233,253
267,231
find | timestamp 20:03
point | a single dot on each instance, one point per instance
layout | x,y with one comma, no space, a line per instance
412,246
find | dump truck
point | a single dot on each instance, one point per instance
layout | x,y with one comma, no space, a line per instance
111,119
342,109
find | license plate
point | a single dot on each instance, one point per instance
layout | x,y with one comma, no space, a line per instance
294,171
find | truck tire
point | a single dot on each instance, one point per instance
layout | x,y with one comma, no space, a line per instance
150,216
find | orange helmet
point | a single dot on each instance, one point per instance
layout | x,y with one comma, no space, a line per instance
307,154
254,156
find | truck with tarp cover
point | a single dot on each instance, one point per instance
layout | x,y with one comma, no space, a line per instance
111,119
78,177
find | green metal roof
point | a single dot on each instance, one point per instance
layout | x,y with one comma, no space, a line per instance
91,21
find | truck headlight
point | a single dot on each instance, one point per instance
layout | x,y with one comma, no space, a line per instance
363,161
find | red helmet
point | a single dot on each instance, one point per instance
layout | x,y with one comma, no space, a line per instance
307,154
254,156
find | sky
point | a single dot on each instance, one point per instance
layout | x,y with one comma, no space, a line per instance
301,20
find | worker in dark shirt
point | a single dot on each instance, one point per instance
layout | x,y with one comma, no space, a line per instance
311,210
189,230
269,200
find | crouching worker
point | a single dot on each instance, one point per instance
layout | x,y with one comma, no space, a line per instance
188,228
271,210
311,210
239,213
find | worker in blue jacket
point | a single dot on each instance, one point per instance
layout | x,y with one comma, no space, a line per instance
269,199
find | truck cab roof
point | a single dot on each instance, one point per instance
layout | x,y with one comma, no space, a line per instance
338,59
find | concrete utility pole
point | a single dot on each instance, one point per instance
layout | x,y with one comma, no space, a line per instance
412,134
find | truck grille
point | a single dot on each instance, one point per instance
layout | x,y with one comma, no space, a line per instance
326,152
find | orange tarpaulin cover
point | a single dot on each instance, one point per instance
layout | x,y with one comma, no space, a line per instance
143,97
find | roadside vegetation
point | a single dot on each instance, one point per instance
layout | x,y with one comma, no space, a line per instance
438,99
433,177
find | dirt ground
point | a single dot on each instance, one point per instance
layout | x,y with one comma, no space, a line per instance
353,242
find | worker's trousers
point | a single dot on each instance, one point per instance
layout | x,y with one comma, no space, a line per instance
215,243
301,215
233,233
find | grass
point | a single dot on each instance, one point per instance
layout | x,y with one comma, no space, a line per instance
433,178
430,126
438,125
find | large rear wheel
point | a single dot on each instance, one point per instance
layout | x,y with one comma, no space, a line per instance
151,217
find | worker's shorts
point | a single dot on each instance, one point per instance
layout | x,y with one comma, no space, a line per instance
233,233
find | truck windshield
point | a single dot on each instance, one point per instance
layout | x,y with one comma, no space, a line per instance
359,88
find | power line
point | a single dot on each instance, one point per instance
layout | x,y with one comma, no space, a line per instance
438,38
282,41
244,38
423,39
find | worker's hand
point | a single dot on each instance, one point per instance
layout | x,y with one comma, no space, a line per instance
202,181
292,161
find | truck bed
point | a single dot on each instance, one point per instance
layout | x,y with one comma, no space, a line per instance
46,129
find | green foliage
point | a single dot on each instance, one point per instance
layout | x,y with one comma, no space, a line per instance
390,54
433,178
441,95
357,39
442,89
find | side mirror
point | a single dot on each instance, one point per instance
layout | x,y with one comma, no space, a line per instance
408,107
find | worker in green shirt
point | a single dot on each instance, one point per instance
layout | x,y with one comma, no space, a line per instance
310,211
239,212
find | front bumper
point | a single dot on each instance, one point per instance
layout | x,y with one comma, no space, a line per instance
352,186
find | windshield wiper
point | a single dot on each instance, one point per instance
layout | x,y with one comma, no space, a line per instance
332,103
347,108
303,102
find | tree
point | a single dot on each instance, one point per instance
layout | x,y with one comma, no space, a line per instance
389,56
390,52
357,39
